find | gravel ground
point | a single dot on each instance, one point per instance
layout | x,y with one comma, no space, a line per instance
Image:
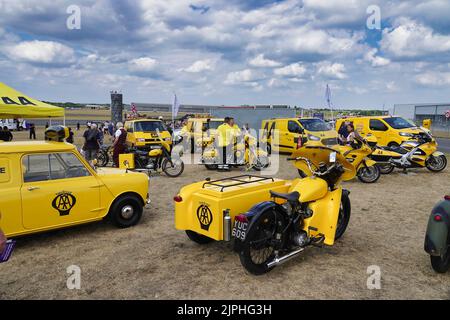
155,261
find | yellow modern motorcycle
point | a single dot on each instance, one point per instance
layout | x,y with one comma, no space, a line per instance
418,153
357,153
245,153
315,211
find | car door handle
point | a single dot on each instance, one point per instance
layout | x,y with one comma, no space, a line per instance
33,188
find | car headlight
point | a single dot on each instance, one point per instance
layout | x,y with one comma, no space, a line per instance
313,138
140,140
406,134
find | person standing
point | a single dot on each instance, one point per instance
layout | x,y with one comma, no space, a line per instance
111,129
119,145
7,133
32,131
78,126
70,137
226,135
91,143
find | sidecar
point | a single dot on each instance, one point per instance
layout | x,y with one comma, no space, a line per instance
207,209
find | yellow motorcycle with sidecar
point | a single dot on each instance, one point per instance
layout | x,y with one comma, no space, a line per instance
271,220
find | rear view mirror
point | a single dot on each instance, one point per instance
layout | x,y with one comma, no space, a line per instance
332,157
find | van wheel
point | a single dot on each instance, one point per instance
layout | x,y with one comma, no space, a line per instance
126,211
198,238
441,265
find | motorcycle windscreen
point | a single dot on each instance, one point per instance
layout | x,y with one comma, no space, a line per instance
321,154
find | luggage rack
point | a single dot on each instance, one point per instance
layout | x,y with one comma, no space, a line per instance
238,181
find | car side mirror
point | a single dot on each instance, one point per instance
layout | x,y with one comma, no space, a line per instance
301,130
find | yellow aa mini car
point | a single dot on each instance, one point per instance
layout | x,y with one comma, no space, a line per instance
47,185
146,133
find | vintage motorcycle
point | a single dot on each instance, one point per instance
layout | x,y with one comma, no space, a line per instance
246,153
315,211
418,153
437,238
159,158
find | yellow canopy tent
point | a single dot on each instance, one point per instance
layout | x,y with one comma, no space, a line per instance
14,104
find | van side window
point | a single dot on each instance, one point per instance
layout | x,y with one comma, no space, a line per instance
293,127
53,166
377,125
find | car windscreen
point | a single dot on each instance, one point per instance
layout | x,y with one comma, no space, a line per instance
399,123
314,125
214,124
149,126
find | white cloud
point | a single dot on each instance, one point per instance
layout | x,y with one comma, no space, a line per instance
260,62
376,61
200,66
292,70
331,70
41,52
247,76
433,79
410,38
142,65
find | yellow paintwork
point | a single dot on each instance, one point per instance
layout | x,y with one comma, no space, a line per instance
26,207
126,161
141,139
426,123
195,130
384,138
285,141
239,199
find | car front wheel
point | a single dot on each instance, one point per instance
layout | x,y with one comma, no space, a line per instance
126,211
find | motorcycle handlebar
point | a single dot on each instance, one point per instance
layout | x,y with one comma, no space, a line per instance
309,163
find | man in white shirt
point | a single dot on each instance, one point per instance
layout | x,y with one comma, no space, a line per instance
119,145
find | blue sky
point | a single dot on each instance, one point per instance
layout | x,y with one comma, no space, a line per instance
229,52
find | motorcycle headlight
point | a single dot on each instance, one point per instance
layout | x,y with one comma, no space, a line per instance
166,139
406,134
313,138
140,140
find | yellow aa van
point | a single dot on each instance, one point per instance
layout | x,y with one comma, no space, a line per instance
143,133
389,130
290,129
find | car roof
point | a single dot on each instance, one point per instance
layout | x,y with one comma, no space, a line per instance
204,119
35,146
297,118
365,117
142,120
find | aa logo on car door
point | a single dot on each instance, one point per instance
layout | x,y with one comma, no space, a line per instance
204,216
64,202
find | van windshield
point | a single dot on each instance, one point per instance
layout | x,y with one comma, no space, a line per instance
314,125
399,123
149,126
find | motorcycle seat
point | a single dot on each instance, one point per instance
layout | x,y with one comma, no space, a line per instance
290,197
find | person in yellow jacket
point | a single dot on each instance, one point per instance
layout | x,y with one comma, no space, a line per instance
227,133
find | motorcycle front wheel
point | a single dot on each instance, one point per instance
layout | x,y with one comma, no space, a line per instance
261,163
369,174
436,164
257,250
173,169
441,264
103,158
344,216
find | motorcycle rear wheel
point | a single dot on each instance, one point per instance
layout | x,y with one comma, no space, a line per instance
386,168
102,158
257,250
441,264
369,174
436,164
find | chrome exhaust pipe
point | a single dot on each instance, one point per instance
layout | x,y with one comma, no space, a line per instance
280,260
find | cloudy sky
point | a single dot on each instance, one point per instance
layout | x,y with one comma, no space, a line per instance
229,52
